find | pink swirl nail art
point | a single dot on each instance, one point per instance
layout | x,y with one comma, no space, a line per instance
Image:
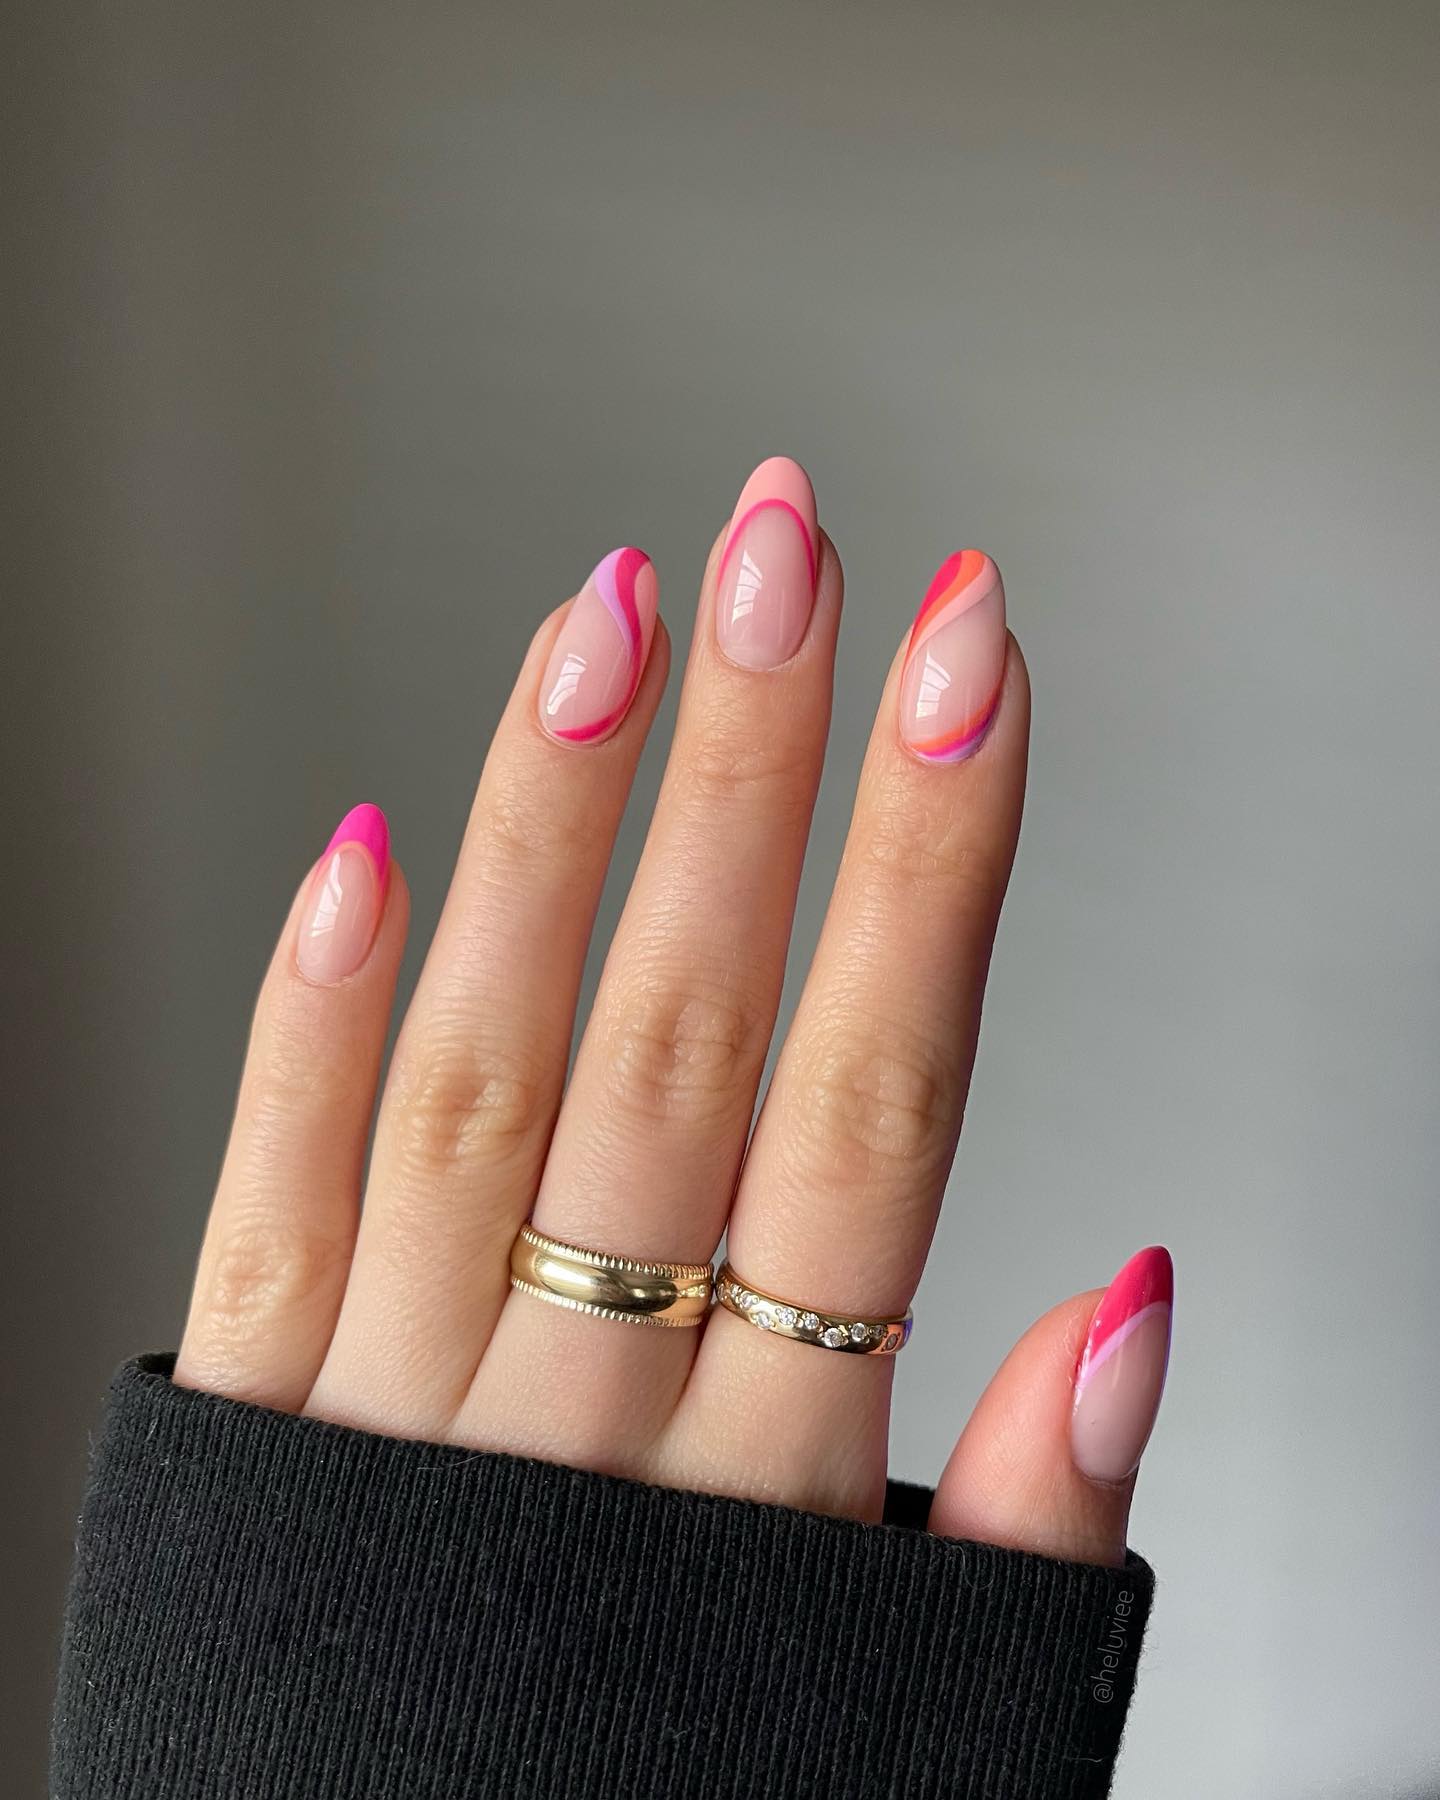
599,656
1121,1374
955,662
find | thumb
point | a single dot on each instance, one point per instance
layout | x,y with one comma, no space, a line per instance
1047,1462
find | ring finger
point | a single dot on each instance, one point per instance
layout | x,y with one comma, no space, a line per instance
850,1158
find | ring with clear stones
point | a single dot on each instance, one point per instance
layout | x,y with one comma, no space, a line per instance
809,1325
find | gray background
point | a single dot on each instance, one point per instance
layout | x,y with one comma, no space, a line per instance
344,338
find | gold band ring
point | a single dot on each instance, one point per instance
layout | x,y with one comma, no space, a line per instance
808,1325
609,1287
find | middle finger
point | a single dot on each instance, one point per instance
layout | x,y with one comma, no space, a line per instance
653,1128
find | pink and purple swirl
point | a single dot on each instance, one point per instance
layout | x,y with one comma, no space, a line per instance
591,679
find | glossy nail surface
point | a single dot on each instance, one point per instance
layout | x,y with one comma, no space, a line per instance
346,898
600,654
955,661
765,591
1121,1374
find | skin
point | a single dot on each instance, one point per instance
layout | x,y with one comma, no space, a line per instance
401,1320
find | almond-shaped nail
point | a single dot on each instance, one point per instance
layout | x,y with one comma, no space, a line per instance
1121,1374
955,660
765,590
346,898
600,654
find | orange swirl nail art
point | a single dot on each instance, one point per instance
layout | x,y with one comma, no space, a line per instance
955,662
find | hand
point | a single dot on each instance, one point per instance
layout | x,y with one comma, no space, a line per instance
401,1319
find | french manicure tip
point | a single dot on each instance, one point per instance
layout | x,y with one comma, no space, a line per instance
785,473
345,898
367,826
766,578
1147,1278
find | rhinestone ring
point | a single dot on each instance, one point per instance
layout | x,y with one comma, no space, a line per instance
609,1287
826,1330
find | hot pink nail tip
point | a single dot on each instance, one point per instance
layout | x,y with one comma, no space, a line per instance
599,656
366,825
1146,1282
345,899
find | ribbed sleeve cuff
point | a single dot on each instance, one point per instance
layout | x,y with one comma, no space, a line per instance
271,1606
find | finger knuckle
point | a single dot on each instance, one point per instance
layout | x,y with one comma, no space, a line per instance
266,1269
459,1103
682,1052
875,1109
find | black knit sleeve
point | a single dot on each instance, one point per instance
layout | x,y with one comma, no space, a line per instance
271,1606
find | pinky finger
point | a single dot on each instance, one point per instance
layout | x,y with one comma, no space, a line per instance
277,1247
1047,1462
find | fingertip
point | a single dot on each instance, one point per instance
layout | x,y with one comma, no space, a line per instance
831,579
1012,1479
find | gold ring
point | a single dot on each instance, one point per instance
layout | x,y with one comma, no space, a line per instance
609,1287
808,1325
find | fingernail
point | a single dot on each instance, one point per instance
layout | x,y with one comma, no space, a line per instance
766,588
1121,1374
600,653
955,661
347,897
